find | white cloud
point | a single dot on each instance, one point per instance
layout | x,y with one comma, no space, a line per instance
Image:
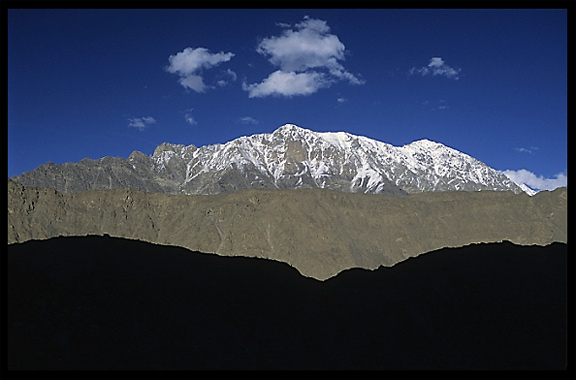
437,66
341,100
288,84
309,46
248,120
141,122
188,117
536,182
526,150
190,120
300,53
193,82
190,62
226,76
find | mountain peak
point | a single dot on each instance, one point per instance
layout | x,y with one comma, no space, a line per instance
286,128
426,143
289,126
165,147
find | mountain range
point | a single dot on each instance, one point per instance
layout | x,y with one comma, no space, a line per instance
286,250
288,158
319,232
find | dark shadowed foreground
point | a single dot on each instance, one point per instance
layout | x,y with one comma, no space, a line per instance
111,303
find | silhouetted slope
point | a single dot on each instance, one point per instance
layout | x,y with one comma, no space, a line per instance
101,302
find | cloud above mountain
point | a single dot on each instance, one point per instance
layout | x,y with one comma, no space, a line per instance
141,122
437,67
308,57
288,84
537,182
189,118
248,120
189,63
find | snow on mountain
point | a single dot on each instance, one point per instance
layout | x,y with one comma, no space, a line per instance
288,158
527,189
294,157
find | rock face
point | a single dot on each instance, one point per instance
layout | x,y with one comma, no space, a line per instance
319,232
289,158
156,174
108,303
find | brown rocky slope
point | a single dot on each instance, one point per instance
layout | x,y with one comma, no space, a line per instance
319,232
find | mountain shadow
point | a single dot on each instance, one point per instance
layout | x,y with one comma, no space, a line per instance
110,303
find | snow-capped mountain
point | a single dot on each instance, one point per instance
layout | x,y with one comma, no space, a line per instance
290,157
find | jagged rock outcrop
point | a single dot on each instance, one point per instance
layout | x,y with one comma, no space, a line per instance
319,232
289,158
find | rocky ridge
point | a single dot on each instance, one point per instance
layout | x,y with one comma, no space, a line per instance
289,158
319,232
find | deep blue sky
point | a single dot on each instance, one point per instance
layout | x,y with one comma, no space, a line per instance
78,80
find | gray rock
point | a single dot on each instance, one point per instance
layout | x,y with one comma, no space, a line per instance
319,232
